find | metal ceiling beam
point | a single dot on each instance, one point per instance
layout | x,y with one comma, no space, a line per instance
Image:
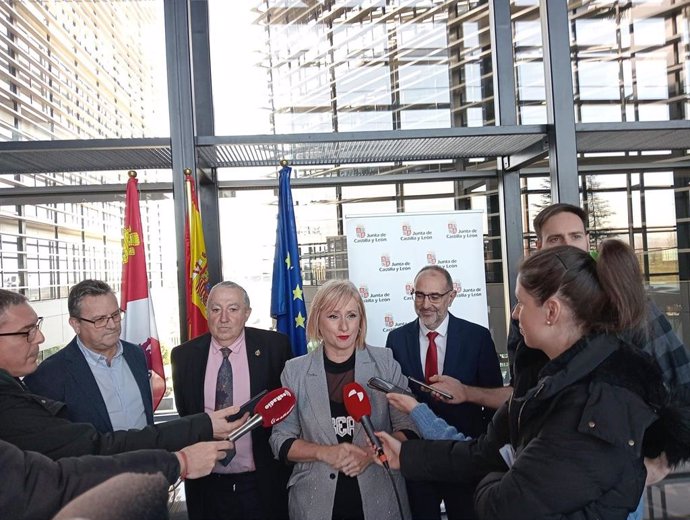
520,143
158,190
81,193
84,155
637,136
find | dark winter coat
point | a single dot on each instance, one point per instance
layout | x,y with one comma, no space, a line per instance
577,437
36,423
35,487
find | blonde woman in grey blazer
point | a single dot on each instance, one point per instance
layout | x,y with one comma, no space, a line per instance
335,476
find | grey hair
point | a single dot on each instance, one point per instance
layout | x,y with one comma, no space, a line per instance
232,285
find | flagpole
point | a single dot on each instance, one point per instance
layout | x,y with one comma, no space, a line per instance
188,245
188,191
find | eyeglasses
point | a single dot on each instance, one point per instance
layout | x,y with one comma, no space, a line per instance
434,297
30,333
102,322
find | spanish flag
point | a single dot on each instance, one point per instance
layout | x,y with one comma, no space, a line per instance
139,323
196,265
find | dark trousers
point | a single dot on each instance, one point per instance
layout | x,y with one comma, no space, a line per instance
425,500
233,496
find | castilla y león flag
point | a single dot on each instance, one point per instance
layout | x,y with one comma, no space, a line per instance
139,323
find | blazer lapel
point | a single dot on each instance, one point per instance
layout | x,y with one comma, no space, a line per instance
197,369
317,399
412,350
256,360
141,376
453,342
365,369
79,369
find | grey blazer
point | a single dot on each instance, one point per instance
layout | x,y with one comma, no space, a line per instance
312,484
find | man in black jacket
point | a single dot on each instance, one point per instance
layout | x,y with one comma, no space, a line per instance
238,361
35,423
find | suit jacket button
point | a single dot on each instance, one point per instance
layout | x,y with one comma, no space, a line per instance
332,475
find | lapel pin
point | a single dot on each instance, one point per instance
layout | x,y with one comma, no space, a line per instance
257,353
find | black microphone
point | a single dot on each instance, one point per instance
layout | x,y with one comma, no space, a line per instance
358,407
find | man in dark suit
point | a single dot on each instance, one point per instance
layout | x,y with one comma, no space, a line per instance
439,343
231,363
102,380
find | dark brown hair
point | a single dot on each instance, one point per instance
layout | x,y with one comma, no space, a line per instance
555,209
10,299
436,269
604,295
83,289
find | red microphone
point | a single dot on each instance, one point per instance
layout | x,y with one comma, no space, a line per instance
358,407
275,406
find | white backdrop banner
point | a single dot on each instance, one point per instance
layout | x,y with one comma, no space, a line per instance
386,251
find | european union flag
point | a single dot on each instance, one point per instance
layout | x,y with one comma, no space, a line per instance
287,300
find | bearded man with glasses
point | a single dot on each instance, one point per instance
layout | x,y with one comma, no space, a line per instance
102,379
438,343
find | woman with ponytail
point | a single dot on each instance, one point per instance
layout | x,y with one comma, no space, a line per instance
572,445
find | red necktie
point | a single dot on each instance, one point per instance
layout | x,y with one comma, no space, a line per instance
431,365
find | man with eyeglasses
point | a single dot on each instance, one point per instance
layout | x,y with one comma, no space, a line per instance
102,380
36,423
36,487
440,343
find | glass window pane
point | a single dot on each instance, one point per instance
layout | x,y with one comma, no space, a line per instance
429,205
660,208
596,31
598,80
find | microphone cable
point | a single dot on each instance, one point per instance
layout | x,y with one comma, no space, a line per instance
395,489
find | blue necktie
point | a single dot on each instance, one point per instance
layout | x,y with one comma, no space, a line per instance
224,381
224,392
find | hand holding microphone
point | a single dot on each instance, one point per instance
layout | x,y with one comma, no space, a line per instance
271,409
391,447
275,406
358,407
219,423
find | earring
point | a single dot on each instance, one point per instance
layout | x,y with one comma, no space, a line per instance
548,322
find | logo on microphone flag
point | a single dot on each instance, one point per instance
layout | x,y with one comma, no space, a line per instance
359,395
139,322
196,264
287,300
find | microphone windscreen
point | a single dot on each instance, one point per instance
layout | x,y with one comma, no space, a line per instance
275,406
356,401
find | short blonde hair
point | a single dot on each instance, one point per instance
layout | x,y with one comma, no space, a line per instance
326,299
